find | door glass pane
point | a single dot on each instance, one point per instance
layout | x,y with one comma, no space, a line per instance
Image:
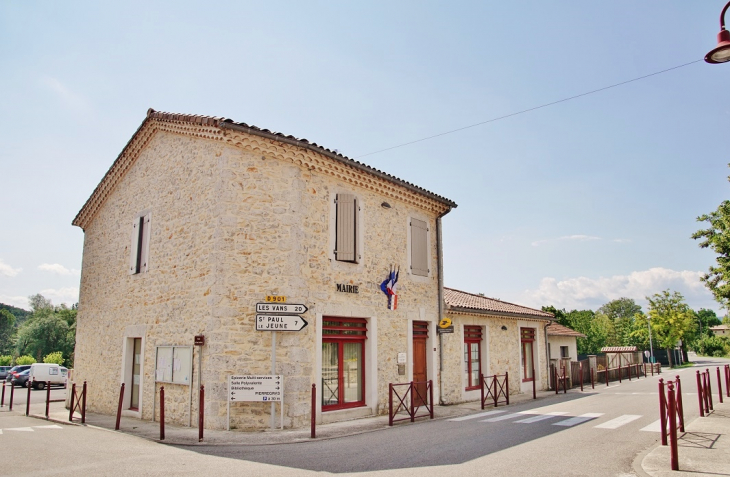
352,372
466,364
527,359
330,374
475,365
136,366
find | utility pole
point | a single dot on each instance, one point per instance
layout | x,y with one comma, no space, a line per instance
651,346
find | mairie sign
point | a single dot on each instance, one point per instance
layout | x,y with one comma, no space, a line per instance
280,323
282,308
256,388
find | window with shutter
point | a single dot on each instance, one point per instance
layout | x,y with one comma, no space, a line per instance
419,247
140,245
346,227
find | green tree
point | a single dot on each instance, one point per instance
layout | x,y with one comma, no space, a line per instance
47,329
717,238
7,331
20,360
621,312
56,358
6,360
672,319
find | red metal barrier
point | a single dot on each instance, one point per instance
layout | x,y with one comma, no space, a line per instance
593,381
699,394
201,414
719,385
496,389
313,424
580,366
78,403
27,401
48,397
119,407
410,400
709,389
162,413
2,401
663,411
673,428
727,380
12,393
671,413
534,393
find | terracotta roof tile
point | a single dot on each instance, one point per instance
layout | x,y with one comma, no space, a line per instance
479,303
619,349
555,329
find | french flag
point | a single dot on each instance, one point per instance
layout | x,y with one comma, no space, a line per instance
389,286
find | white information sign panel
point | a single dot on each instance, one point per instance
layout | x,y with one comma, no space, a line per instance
255,388
284,308
280,323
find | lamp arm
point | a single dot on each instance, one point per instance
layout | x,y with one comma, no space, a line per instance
722,16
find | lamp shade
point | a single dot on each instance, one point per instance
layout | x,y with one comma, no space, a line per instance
721,53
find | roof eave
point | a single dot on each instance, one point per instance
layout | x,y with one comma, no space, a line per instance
505,314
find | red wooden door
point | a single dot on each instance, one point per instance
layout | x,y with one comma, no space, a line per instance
420,367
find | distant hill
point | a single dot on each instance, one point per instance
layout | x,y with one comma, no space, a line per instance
19,313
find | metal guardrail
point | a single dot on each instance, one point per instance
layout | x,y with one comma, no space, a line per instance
411,398
494,389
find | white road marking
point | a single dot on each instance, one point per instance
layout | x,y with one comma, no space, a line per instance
474,416
53,426
655,426
542,417
618,422
578,419
22,429
502,418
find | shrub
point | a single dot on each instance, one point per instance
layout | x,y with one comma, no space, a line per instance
716,346
6,360
56,358
24,360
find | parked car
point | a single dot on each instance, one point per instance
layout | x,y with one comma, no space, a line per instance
21,379
15,370
42,373
4,372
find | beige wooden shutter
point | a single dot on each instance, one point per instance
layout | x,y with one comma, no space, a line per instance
346,227
134,247
145,245
419,248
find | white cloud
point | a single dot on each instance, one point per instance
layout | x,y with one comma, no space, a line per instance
67,295
58,269
73,100
7,270
622,240
16,301
591,293
579,238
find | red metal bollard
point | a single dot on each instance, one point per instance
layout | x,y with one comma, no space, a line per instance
663,411
699,395
556,380
430,395
201,414
27,402
506,384
119,407
704,393
390,403
413,419
12,393
2,401
534,393
494,394
719,384
48,397
73,396
709,390
481,387
162,413
313,424
680,406
727,380
628,368
673,428
619,373
83,404
565,382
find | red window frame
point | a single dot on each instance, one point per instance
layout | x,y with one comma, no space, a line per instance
341,331
527,335
472,334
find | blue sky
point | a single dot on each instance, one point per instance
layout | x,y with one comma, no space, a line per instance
571,205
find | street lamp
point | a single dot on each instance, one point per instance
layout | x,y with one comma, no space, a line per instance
721,53
651,346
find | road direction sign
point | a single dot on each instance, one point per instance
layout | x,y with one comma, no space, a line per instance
280,323
255,388
282,308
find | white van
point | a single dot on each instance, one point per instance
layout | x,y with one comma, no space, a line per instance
42,373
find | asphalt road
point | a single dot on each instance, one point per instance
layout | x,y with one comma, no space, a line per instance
20,395
600,432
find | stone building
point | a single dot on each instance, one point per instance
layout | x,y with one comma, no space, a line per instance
492,337
198,220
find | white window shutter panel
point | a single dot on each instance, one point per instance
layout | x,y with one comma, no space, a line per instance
346,227
144,259
419,248
134,247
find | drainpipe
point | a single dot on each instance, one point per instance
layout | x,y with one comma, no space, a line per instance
547,354
440,271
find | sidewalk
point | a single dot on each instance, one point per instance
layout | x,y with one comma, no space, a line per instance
188,436
704,449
